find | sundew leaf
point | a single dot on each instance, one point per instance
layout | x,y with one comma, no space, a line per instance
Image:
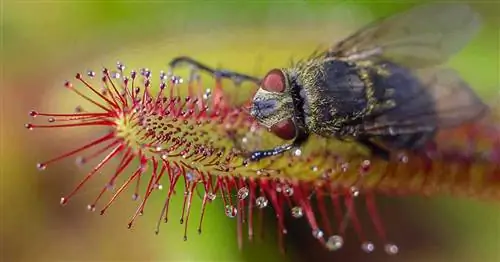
175,134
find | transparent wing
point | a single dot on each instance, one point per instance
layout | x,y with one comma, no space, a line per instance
447,102
422,36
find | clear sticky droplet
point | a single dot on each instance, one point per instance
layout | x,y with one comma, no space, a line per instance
354,191
41,166
163,75
403,158
189,176
391,249
334,243
80,161
365,166
261,202
287,190
110,187
120,66
115,75
135,196
297,212
91,208
344,167
243,193
368,247
177,80
317,233
231,211
297,152
211,196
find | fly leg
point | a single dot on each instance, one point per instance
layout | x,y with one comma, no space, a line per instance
260,154
218,73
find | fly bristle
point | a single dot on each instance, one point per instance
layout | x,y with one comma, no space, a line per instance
193,135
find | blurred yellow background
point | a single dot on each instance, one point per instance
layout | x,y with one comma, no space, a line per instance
45,43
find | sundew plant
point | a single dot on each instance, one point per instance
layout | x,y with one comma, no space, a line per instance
183,136
193,143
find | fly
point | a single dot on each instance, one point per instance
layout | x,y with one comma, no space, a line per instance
383,86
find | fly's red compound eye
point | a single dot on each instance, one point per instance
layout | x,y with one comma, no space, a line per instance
284,129
274,81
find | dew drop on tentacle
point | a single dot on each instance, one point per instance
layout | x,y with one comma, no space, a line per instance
145,72
287,190
391,249
334,243
365,166
297,152
110,186
177,80
243,193
231,211
115,75
80,161
354,191
120,66
344,167
90,73
41,166
163,76
91,208
368,247
261,202
133,74
208,94
189,176
297,212
68,84
211,196
317,233
403,158
135,196
63,201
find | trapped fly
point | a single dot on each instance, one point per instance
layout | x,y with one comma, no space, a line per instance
383,87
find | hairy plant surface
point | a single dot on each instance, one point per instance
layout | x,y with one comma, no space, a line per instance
169,129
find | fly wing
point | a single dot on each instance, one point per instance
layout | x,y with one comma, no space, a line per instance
447,102
417,41
420,37
455,101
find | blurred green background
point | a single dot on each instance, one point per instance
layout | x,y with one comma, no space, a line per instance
47,42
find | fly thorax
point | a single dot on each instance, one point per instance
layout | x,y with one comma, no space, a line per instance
270,108
317,109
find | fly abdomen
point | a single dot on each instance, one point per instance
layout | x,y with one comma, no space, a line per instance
410,121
